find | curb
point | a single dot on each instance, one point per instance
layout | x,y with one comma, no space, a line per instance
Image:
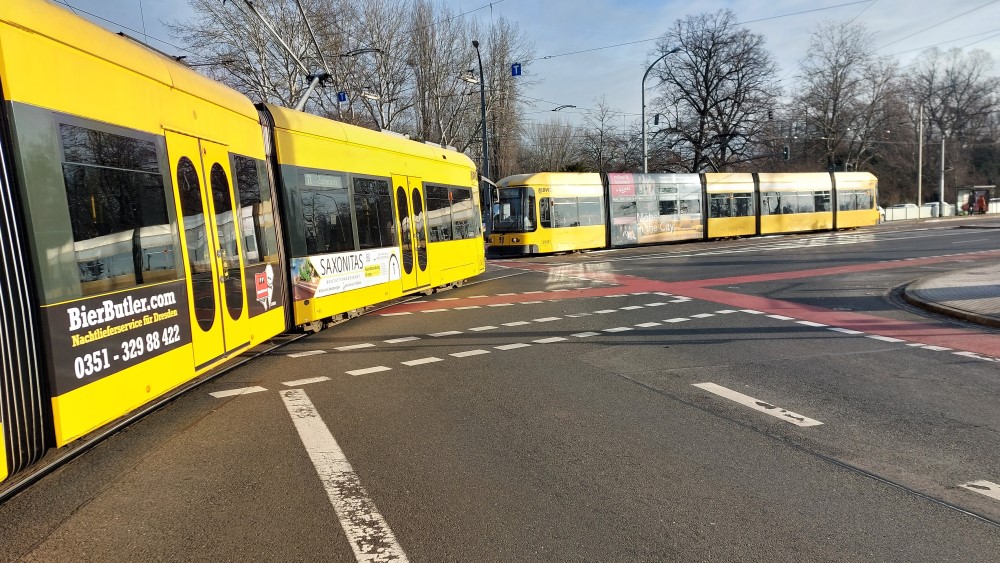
962,314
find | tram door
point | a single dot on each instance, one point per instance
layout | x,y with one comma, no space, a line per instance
200,171
412,231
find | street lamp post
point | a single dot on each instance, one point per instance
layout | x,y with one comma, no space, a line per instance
482,107
645,156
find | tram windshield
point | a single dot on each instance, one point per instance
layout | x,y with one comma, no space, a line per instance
515,211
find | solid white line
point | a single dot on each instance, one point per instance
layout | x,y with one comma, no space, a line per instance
757,405
468,353
395,314
354,347
810,323
512,346
367,371
422,361
234,392
987,488
584,334
468,307
884,338
781,317
366,529
301,382
445,333
845,330
481,328
618,329
936,348
549,340
404,339
648,325
547,319
517,323
304,354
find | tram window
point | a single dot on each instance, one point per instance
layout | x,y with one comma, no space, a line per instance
196,235
743,205
516,212
326,213
720,205
591,211
256,212
807,203
545,212
821,201
373,208
438,213
668,207
118,210
565,212
690,206
225,224
770,203
463,212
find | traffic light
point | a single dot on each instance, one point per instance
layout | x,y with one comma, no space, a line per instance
784,152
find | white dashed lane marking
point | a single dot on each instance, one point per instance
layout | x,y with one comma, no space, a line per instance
618,329
758,405
422,361
512,346
584,334
367,371
308,353
401,340
517,323
300,382
549,340
235,392
445,333
482,328
354,347
468,353
648,325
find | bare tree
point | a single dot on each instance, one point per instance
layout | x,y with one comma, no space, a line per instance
716,90
242,53
601,140
845,90
550,146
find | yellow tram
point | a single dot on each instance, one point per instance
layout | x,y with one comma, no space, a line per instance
656,208
154,224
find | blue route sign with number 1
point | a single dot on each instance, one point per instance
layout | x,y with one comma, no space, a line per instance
515,69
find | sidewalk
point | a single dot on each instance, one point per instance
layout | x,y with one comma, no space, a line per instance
972,295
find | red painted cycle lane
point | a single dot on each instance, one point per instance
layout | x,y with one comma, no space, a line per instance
919,332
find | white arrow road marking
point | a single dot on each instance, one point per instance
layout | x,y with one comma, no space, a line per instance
758,405
366,529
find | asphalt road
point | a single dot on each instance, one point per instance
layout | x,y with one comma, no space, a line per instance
757,400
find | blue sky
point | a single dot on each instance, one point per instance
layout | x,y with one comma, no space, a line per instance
564,26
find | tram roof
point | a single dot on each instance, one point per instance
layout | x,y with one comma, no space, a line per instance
310,124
